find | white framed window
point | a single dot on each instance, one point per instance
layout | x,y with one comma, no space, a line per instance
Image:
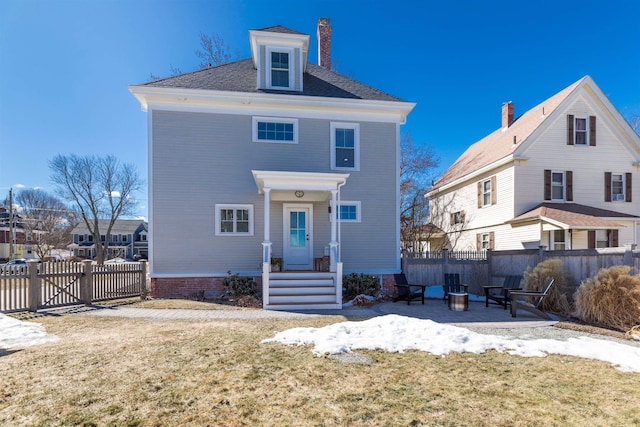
124,237
345,146
280,68
275,129
580,131
602,239
457,217
234,220
80,238
485,241
557,185
486,192
617,187
348,211
559,242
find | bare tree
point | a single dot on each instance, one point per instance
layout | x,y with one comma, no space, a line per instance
446,222
100,188
215,51
417,164
46,220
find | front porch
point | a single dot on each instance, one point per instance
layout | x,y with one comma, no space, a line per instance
300,194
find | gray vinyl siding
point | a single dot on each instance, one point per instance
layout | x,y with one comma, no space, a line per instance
200,160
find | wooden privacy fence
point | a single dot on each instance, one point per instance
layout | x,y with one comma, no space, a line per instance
51,284
477,270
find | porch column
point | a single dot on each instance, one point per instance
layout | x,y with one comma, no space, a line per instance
333,245
266,244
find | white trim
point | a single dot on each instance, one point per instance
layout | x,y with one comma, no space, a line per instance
285,235
248,207
150,225
292,70
356,145
624,185
564,186
349,203
265,119
249,103
305,181
586,131
484,193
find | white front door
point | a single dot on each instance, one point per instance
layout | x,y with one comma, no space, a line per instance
298,237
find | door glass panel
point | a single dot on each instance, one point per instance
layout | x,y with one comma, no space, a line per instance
297,230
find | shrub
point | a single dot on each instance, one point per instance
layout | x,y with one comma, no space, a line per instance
358,283
558,298
236,285
611,298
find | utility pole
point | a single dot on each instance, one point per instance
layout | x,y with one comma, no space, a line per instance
12,235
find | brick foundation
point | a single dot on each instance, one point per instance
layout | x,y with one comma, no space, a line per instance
186,287
388,284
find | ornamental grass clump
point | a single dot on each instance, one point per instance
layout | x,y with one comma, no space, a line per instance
557,300
359,284
611,298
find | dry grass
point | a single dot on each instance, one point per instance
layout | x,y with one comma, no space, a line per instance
559,298
611,298
132,372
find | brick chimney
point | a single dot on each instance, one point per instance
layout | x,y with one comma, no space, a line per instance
324,43
507,114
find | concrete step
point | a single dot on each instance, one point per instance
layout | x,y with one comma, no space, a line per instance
302,290
301,275
296,306
301,299
297,282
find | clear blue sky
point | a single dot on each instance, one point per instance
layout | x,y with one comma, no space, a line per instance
65,65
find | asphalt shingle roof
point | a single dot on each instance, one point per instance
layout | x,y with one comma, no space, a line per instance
574,215
279,29
499,144
121,226
241,76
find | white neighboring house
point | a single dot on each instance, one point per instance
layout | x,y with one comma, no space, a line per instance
564,175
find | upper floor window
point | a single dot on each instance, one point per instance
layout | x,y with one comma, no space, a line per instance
617,187
80,238
487,192
557,185
457,217
348,211
234,220
90,238
581,130
271,129
124,237
345,146
279,68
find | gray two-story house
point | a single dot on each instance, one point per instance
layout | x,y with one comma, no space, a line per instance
128,239
272,161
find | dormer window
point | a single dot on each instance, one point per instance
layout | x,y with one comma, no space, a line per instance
279,66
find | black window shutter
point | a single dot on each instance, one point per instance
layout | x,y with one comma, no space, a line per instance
627,187
569,177
547,184
479,195
607,186
452,218
614,238
569,129
591,237
592,131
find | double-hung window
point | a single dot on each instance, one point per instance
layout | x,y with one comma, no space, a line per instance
234,220
581,131
486,192
348,211
275,129
280,68
557,185
345,146
617,187
559,242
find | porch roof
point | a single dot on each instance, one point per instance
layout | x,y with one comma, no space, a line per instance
572,216
298,181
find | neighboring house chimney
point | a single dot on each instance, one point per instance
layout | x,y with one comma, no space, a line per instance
324,43
507,114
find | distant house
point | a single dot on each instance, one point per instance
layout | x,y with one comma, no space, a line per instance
564,175
128,239
13,230
272,159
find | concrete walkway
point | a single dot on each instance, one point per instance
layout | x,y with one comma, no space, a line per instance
478,315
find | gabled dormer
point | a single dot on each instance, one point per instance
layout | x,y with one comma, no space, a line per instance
280,57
